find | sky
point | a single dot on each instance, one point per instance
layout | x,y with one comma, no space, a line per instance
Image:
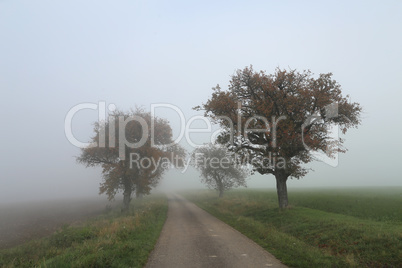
55,55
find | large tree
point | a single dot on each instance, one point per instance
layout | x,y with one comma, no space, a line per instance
134,149
277,121
219,168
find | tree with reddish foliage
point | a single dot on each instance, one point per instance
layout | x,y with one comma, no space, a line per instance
276,122
132,159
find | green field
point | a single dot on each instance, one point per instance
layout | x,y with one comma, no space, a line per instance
113,239
322,227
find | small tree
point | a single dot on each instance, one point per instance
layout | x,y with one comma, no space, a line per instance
219,168
125,166
276,121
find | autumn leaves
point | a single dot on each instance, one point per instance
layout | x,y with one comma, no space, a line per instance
286,117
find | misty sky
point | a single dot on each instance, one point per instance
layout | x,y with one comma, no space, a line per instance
55,55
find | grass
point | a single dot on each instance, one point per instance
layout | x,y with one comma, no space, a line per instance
322,228
111,240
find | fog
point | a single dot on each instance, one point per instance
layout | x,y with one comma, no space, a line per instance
55,55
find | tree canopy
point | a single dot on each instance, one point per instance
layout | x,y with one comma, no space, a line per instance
218,167
134,150
276,121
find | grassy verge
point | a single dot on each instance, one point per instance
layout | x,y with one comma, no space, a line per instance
343,228
111,240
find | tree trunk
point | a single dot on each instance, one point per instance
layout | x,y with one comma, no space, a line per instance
282,189
126,199
220,193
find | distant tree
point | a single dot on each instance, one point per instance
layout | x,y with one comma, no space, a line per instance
219,168
276,121
127,165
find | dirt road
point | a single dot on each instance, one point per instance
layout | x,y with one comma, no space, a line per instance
193,238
